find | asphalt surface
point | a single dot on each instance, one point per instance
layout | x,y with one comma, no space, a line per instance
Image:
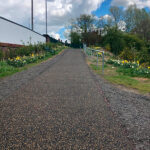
58,105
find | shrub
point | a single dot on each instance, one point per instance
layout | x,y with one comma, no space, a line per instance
127,54
28,50
1,54
50,45
12,53
5,53
107,47
115,40
133,41
144,56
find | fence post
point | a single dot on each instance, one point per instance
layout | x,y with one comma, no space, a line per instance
97,60
103,62
89,51
85,49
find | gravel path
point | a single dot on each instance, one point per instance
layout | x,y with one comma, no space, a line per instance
59,105
133,110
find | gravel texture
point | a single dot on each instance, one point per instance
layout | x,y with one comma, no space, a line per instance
60,105
133,110
14,82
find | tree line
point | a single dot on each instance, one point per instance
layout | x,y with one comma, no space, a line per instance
126,33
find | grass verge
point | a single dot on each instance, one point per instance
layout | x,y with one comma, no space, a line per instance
7,70
111,74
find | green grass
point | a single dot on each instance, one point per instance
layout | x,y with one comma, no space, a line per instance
130,82
131,72
111,74
7,70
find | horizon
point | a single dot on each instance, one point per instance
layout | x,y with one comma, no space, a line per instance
60,12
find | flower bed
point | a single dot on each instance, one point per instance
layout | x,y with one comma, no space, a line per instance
22,61
130,68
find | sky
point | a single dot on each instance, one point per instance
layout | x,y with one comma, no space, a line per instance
60,12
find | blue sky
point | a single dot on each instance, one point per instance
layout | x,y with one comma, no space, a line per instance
61,33
102,10
60,12
104,7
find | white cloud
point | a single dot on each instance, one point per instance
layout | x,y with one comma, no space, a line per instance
126,3
67,33
54,35
107,17
59,12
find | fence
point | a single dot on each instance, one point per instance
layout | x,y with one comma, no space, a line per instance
92,52
13,33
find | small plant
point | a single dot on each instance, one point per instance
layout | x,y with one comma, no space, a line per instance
99,54
107,47
130,68
1,55
22,61
97,48
127,54
16,63
23,51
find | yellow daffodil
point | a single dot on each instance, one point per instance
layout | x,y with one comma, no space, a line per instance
99,53
124,61
97,48
148,67
17,58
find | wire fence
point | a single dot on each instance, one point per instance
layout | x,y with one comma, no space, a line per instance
93,52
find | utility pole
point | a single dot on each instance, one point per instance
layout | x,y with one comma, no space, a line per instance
32,27
46,14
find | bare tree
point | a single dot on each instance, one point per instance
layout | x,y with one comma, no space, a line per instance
129,18
85,22
138,22
116,13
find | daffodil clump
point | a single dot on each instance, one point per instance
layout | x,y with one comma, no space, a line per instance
130,68
21,61
99,53
97,48
124,63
